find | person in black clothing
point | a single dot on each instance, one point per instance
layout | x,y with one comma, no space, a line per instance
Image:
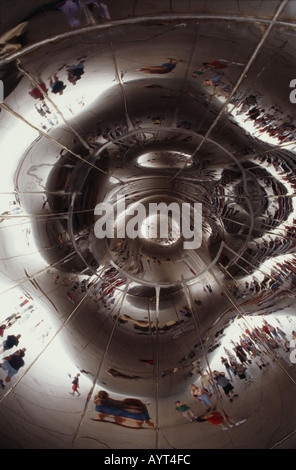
10,342
241,355
12,364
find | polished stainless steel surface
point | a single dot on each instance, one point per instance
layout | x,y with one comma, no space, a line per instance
147,102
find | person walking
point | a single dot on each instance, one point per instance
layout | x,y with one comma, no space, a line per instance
75,385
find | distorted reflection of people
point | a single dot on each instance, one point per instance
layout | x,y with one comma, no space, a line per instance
129,412
12,364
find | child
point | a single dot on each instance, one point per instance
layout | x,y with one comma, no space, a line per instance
185,411
75,385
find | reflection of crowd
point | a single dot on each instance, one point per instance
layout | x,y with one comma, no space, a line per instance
253,349
271,121
281,278
102,290
258,345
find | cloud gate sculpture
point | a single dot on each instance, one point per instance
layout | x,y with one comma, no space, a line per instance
144,341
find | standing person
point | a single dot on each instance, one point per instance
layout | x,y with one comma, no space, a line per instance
281,333
225,384
184,410
240,353
12,364
200,394
265,328
56,85
230,356
205,382
228,368
258,359
10,342
36,93
75,385
242,373
75,72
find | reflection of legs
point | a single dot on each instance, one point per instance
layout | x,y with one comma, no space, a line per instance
55,79
230,395
206,402
11,372
150,424
189,415
100,417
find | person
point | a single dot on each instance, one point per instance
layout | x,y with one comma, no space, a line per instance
56,85
75,72
214,65
240,353
75,385
70,297
160,69
228,368
205,382
12,364
184,410
35,91
242,373
281,333
216,418
258,359
225,384
10,342
129,412
2,328
200,394
265,328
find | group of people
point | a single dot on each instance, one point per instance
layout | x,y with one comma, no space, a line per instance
202,394
281,279
253,348
271,121
258,345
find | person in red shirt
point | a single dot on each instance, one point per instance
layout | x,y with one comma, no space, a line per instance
265,328
36,93
216,418
2,328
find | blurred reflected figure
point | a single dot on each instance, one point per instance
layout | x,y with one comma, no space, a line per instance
12,364
216,418
75,385
160,69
